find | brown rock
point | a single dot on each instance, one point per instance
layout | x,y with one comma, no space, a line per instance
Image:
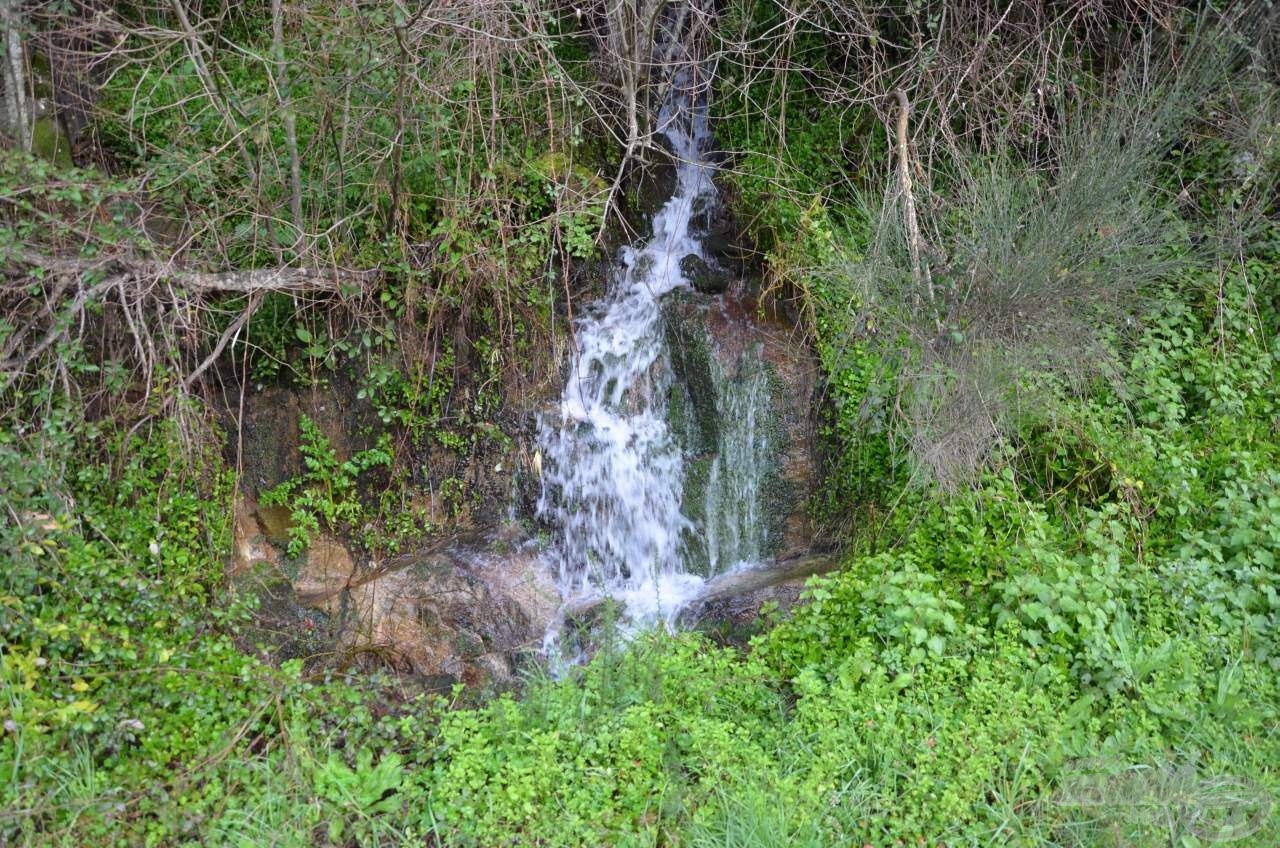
249,546
465,615
326,570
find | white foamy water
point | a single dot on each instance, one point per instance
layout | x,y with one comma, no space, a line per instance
612,473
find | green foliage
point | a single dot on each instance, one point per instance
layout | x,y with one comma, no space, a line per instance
1104,593
52,206
1078,611
951,684
885,604
1226,571
363,791
110,672
501,770
404,148
326,495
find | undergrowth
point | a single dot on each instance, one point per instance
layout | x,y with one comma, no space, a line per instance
1016,658
1077,648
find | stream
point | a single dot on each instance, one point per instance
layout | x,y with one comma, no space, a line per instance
614,471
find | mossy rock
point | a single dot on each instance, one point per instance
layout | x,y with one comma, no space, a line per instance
649,184
704,277
48,141
728,369
689,345
693,504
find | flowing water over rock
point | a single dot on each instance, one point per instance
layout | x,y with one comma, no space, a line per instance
677,458
733,523
741,409
666,445
614,477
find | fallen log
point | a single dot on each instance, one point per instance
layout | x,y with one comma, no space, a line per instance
75,283
749,579
125,269
722,586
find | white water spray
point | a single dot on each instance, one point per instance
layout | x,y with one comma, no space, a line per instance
612,474
734,525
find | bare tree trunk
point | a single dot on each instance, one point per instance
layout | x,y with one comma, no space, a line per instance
196,49
923,279
631,25
290,124
17,104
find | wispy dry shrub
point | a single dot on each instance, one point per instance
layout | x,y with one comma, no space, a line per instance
1035,260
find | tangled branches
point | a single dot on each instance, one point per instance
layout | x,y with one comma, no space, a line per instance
1013,223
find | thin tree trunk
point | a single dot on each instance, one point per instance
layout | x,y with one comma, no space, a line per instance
17,105
195,49
290,123
920,273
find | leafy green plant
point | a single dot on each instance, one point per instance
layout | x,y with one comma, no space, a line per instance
884,601
1226,571
326,494
1078,610
362,790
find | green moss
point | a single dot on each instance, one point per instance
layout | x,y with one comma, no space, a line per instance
693,503
50,142
690,349
703,392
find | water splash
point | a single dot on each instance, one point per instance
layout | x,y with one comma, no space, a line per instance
612,474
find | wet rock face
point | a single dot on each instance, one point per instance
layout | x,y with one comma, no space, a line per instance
270,438
469,613
725,243
648,185
741,407
703,276
490,474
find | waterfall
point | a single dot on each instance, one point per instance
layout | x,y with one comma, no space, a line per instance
612,472
734,528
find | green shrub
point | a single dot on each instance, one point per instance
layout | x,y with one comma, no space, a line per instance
326,493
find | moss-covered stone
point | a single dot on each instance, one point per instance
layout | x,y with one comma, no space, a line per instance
648,184
50,142
690,348
738,408
693,504
702,276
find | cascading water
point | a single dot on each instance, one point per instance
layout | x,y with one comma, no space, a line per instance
734,527
612,473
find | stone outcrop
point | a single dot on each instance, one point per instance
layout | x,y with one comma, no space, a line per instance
467,612
704,276
743,385
457,615
443,614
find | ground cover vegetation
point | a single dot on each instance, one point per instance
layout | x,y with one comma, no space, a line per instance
1046,303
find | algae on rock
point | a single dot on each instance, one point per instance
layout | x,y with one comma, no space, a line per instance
734,416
